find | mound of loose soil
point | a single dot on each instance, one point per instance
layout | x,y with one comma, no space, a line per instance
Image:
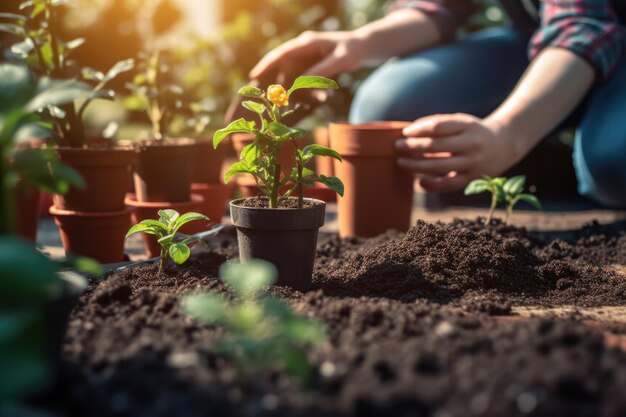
407,333
444,262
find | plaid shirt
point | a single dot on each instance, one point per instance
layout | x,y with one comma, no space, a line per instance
589,28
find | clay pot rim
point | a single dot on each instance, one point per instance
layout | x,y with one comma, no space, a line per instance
182,142
113,149
210,186
315,200
131,200
73,213
368,126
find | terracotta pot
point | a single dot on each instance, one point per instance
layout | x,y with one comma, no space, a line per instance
215,198
150,210
163,171
207,162
285,237
26,213
378,195
105,172
96,235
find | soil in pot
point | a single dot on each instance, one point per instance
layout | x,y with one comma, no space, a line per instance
150,210
286,236
105,171
162,170
378,194
207,163
95,235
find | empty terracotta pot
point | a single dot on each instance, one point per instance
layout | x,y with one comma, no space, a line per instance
207,162
215,198
105,172
143,210
378,195
96,235
163,170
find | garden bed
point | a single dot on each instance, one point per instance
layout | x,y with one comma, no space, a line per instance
423,323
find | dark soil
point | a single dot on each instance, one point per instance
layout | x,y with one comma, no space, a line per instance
264,202
410,333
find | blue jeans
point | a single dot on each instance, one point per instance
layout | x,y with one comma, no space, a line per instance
474,76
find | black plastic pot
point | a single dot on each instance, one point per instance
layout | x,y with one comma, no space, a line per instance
285,237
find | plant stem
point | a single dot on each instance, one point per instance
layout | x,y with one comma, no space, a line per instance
163,260
275,187
509,212
492,208
300,191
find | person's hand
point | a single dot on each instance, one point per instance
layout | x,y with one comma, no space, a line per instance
450,150
327,54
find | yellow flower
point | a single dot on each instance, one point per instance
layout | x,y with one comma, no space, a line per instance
277,95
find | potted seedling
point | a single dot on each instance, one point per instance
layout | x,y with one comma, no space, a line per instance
154,92
379,195
277,227
164,229
509,190
261,332
103,166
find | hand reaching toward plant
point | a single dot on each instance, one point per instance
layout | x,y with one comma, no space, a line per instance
449,150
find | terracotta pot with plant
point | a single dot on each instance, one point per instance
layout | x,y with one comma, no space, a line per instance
379,194
277,227
154,92
103,167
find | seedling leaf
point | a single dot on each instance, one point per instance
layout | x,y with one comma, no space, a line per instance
312,81
530,199
476,187
238,126
250,91
318,150
179,252
249,279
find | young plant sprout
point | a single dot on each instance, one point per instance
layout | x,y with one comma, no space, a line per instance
262,332
153,91
493,186
260,158
170,221
513,190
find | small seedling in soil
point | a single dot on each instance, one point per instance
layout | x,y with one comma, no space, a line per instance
170,221
491,185
513,190
262,332
260,158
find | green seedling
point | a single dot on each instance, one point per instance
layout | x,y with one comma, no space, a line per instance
262,332
513,190
491,185
165,229
260,158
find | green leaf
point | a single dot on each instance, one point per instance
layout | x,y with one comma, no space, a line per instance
283,132
312,150
58,93
17,85
239,167
13,29
26,275
168,217
250,91
141,228
166,240
179,252
249,154
498,181
238,126
304,331
208,308
333,183
312,81
255,107
12,16
476,187
188,217
66,174
514,186
530,199
250,278
75,43
87,265
119,68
